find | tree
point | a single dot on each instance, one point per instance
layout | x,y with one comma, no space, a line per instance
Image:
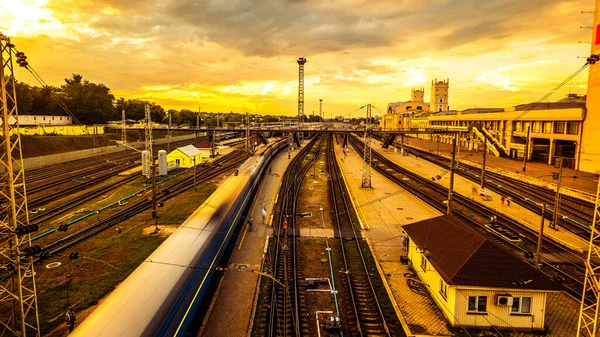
90,103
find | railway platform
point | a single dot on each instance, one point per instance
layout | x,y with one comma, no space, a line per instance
536,172
231,312
383,210
491,199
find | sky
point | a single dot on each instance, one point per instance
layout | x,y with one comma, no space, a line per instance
240,55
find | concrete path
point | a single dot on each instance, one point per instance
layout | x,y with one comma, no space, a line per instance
465,187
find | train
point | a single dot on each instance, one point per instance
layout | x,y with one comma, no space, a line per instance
162,296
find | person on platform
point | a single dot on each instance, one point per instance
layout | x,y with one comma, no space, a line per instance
70,319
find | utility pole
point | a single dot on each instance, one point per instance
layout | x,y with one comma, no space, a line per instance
195,190
247,133
169,134
451,187
153,189
538,252
18,287
123,125
366,176
526,152
197,123
555,219
301,61
483,163
148,142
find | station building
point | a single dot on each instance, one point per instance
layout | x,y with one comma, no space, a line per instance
185,156
540,131
475,282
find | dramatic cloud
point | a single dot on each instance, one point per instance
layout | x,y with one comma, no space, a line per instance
240,54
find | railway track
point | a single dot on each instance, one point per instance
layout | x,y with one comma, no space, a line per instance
364,316
568,272
285,316
222,165
574,214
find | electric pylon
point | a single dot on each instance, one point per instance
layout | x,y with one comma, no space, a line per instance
588,312
366,176
148,143
18,300
301,61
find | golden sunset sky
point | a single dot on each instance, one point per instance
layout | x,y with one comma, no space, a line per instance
241,55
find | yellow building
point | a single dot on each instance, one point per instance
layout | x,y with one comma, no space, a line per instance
397,111
185,156
439,95
475,282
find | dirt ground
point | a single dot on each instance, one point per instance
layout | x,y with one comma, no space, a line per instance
314,192
34,146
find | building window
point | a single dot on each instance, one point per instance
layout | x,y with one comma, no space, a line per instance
546,127
477,304
443,289
559,127
572,128
517,126
535,127
423,263
521,305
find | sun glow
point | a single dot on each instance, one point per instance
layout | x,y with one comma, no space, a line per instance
27,18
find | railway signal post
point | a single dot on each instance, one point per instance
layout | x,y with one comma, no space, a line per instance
451,186
366,176
554,225
538,253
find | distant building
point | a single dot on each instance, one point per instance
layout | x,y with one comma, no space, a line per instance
439,95
206,149
417,106
475,282
41,120
185,156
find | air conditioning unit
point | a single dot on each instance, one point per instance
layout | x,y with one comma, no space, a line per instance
504,300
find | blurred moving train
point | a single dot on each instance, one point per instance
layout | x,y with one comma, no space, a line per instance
162,296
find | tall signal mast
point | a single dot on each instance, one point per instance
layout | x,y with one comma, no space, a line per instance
148,143
18,300
301,61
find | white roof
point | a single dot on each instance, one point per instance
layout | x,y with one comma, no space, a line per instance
189,150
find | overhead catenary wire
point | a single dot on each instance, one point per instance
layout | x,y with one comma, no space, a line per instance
40,80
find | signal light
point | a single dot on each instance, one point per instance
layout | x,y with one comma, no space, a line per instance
74,256
63,228
26,229
236,173
32,250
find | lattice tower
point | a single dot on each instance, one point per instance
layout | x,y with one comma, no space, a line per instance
148,143
18,300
